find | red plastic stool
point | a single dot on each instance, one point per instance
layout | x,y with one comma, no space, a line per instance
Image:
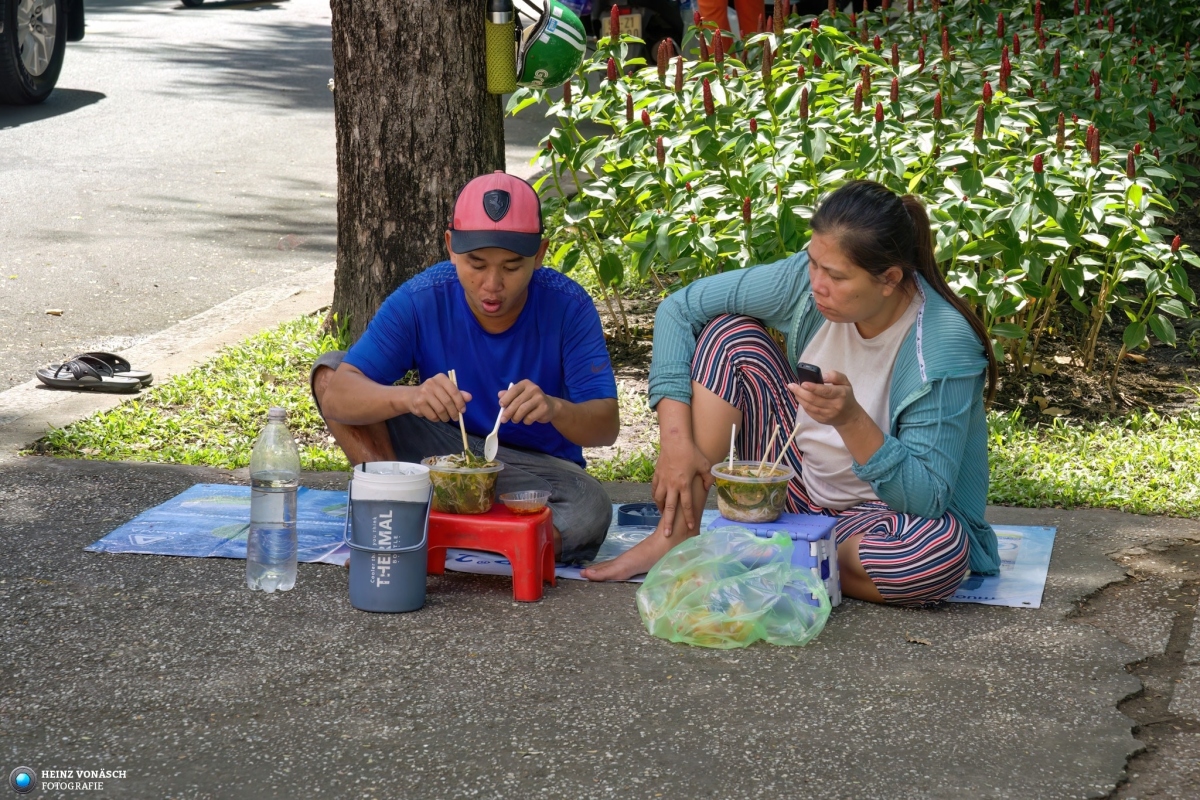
526,540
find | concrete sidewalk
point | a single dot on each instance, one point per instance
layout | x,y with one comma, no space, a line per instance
170,669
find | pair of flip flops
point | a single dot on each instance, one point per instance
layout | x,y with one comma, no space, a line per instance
95,372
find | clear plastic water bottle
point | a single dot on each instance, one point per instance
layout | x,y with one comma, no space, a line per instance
274,476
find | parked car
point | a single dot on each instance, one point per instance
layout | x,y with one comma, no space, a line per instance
33,38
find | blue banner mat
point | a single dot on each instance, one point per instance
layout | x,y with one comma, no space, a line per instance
210,520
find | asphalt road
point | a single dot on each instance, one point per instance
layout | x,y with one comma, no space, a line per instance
186,156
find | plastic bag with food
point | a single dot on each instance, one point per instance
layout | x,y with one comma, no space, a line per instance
729,588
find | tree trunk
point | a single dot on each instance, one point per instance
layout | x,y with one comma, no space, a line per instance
414,124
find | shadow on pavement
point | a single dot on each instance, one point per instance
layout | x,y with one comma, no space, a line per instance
62,101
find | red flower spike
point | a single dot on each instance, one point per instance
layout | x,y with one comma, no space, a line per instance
719,48
987,92
1110,23
629,108
832,8
549,146
920,59
936,6
768,63
1130,167
1133,60
910,7
858,95
733,73
1077,8
1029,92
945,44
817,62
661,60
885,5
1157,156
1045,89
709,108
862,34
746,210
853,20
1182,110
660,151
1000,25
1096,94
1087,7
753,125
679,75
1041,39
1016,45
612,70
697,20
1075,118
646,118
800,72
1060,140
937,106
1153,87
693,216
688,187
777,23
567,94
895,56
1039,165
895,94
1137,149
704,47
804,104
762,25
979,123
877,43
878,113
1057,63
786,5
614,24
1176,243
1152,48
866,79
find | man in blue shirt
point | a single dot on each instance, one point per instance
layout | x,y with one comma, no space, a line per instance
492,314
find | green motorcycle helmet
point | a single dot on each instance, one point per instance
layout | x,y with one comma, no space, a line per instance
552,45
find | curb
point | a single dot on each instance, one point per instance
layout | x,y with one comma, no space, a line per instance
28,411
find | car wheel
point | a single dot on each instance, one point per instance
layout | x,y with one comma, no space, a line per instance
32,41
193,3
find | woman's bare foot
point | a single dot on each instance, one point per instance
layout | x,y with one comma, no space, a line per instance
639,558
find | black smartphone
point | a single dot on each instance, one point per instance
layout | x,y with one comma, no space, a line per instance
808,373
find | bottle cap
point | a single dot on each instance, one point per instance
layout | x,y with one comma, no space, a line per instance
276,414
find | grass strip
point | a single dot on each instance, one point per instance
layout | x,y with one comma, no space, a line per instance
211,415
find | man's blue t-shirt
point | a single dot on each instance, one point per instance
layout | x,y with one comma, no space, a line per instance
556,342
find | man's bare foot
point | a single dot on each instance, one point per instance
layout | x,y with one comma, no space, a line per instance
636,560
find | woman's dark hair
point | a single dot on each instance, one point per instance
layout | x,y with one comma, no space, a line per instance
877,229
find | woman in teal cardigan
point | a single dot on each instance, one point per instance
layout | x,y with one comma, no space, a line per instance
893,442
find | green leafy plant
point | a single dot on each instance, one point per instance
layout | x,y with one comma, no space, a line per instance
1049,152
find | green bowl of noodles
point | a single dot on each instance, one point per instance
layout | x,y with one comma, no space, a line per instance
747,494
462,483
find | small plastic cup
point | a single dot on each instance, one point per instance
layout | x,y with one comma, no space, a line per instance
463,490
530,501
745,496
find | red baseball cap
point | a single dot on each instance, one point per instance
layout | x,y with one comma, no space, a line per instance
497,210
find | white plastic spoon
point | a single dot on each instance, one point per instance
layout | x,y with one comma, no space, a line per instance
492,443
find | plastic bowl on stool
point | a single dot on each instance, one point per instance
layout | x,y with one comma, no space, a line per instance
528,502
638,514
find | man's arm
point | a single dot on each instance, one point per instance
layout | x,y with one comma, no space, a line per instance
592,423
352,398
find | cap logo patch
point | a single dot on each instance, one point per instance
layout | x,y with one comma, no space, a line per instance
495,203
